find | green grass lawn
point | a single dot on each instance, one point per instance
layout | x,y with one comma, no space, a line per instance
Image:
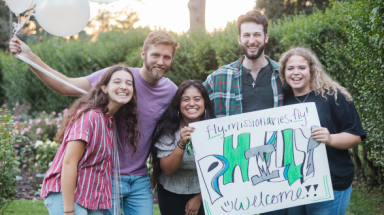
29,207
361,203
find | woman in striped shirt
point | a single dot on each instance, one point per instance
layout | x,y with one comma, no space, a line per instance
79,179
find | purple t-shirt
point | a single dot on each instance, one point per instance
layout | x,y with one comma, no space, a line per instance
152,100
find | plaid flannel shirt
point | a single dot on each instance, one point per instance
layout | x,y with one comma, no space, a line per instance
224,87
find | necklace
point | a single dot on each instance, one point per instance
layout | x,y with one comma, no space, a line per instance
249,79
304,99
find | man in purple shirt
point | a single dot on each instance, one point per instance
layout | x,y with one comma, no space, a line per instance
154,92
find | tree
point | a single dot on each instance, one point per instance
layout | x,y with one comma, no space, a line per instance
106,20
275,9
196,14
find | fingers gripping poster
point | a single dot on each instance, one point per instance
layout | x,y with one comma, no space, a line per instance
261,161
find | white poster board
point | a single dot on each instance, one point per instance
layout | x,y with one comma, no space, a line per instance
261,161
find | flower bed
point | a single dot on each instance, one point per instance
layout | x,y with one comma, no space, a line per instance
36,152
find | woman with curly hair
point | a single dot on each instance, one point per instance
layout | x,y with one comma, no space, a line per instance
80,177
174,170
305,80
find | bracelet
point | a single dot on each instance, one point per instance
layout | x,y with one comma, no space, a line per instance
180,146
69,212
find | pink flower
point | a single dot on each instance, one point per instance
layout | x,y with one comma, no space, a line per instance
17,104
47,121
30,121
16,145
26,129
65,110
4,106
53,113
38,130
37,121
59,114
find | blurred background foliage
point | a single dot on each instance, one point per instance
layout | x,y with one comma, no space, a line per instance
348,37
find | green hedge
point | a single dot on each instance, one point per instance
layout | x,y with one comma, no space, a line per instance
348,38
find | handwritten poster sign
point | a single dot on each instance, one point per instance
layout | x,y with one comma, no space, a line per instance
261,161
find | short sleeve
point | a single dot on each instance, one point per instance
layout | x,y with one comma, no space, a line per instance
208,84
81,129
165,145
96,76
349,122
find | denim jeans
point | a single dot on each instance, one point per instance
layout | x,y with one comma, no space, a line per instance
55,206
136,195
338,206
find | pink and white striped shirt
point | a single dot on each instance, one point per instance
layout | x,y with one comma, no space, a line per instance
94,171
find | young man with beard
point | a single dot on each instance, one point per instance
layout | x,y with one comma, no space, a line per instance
154,92
252,82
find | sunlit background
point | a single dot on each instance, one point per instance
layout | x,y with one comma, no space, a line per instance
174,14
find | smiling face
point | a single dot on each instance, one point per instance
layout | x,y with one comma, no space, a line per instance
157,60
252,40
119,89
298,75
191,105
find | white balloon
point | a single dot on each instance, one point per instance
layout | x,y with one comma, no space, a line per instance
63,17
103,1
19,6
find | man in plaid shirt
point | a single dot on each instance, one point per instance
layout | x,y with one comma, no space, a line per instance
252,82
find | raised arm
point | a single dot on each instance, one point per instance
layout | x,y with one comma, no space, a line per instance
17,46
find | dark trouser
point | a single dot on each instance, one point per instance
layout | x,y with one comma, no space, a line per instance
173,203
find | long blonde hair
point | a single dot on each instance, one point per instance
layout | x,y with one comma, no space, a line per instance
320,81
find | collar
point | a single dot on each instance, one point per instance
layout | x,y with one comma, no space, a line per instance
109,120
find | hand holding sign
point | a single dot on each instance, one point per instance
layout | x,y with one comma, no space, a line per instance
261,161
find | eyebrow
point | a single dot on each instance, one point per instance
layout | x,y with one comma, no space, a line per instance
297,65
120,79
255,32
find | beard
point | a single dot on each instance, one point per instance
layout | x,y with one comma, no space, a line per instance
253,56
155,75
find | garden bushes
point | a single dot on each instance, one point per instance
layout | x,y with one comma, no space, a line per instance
348,38
9,164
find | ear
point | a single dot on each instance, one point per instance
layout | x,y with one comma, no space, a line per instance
266,38
104,89
238,39
142,54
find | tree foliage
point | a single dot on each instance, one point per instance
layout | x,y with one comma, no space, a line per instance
275,9
348,38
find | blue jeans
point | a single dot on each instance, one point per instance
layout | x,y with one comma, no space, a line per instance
55,206
338,206
136,195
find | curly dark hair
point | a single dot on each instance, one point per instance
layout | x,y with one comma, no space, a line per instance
97,99
170,120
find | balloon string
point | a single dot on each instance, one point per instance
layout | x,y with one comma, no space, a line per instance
17,26
33,64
